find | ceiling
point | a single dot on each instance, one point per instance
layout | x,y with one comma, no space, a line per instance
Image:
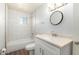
25,7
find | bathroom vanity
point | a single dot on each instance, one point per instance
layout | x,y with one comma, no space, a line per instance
46,44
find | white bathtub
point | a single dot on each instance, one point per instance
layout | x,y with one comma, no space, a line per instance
18,44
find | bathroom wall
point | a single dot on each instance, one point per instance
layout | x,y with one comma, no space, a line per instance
76,28
15,29
41,23
6,20
76,20
2,25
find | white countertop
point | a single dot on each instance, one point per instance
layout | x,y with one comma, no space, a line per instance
58,41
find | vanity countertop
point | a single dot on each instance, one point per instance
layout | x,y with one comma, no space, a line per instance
57,41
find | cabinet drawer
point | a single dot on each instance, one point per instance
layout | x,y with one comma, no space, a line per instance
49,46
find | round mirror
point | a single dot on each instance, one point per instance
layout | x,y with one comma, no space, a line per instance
56,17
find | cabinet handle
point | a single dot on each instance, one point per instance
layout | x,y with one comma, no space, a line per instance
40,50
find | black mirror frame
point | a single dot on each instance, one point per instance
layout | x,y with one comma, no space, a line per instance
61,18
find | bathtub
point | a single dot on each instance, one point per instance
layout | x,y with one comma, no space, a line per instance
18,44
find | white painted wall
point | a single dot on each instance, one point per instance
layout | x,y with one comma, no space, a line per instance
76,28
76,20
16,30
41,23
6,36
2,25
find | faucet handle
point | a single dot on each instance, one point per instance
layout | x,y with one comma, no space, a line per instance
54,34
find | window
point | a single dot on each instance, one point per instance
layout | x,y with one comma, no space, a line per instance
23,20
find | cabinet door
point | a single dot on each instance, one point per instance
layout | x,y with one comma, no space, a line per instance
48,49
38,50
50,52
47,52
43,48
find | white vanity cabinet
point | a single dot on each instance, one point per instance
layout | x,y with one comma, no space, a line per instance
46,48
42,48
